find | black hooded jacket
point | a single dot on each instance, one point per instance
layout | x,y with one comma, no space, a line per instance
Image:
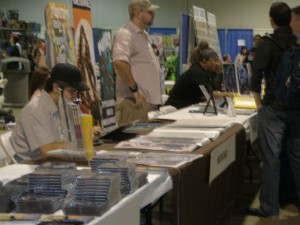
267,58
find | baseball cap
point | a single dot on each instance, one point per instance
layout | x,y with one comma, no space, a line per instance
143,4
69,74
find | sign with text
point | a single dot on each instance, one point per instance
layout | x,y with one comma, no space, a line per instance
221,157
253,128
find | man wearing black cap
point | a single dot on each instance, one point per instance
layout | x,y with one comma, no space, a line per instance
39,129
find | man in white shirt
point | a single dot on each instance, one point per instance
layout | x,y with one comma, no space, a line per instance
138,82
39,129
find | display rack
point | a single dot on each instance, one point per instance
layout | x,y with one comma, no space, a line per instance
200,24
213,39
205,27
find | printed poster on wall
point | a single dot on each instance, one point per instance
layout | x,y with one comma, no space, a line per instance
59,36
103,48
84,47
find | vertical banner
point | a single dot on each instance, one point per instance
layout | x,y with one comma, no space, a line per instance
184,41
84,47
59,36
103,42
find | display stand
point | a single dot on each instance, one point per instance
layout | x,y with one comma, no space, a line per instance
213,38
205,27
211,98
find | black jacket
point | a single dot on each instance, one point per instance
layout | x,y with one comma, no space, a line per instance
186,90
267,57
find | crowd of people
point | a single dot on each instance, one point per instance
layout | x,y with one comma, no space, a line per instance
138,91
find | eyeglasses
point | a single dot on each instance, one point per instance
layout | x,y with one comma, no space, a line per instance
72,91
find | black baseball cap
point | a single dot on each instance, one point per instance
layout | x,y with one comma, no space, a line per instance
69,74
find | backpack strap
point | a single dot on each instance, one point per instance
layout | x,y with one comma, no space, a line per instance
269,37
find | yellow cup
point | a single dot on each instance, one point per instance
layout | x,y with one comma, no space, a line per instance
87,135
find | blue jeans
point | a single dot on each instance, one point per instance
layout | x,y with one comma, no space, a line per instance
277,130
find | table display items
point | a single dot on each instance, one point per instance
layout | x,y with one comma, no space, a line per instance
129,179
46,191
94,194
87,192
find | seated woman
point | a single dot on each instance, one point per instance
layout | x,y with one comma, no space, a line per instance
186,91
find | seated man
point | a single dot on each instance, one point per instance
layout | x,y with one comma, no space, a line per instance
39,128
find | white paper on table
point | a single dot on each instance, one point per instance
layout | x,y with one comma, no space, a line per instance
155,146
202,123
165,139
166,159
190,132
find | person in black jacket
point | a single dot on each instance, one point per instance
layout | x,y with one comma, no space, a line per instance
186,90
278,129
287,186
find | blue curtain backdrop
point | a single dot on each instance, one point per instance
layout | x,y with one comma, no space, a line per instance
222,39
184,40
163,31
232,37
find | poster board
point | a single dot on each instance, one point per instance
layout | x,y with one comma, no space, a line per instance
213,38
59,36
237,78
243,76
84,46
103,44
230,79
200,24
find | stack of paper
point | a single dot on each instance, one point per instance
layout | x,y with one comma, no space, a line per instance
166,159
